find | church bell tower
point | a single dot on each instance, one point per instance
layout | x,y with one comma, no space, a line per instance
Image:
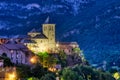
49,31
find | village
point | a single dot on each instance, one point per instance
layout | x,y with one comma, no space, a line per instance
38,47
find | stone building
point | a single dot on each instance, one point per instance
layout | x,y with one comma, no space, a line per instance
44,40
18,53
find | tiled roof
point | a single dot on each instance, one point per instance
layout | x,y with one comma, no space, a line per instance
14,46
3,48
42,36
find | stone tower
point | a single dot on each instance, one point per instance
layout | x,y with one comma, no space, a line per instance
49,31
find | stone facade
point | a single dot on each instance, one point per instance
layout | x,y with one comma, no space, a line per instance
44,41
18,53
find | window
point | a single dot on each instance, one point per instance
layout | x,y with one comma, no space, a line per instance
16,61
52,28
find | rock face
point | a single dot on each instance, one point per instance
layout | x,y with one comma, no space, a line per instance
94,24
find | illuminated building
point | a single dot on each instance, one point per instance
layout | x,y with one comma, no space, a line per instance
44,41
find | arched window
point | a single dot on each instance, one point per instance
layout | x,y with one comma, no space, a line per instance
4,55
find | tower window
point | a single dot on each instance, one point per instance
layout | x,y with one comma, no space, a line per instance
52,28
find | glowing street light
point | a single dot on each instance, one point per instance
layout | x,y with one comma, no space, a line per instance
33,60
57,45
11,76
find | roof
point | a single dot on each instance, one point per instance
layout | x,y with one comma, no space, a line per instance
14,46
3,48
47,20
11,42
42,36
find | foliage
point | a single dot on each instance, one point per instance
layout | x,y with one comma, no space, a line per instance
69,74
23,71
38,71
62,59
77,50
33,78
85,73
7,61
48,77
116,75
47,60
33,72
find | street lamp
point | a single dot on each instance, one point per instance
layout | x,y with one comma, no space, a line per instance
33,59
10,76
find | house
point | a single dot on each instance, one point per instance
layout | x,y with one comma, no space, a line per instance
18,53
67,47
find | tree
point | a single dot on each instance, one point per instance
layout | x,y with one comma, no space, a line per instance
69,74
85,73
48,76
6,60
23,71
33,78
62,59
47,60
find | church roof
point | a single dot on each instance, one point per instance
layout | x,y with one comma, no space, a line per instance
47,20
42,36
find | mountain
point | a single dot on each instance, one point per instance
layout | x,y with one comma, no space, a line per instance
94,24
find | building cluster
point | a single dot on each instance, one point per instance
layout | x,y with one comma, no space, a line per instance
21,47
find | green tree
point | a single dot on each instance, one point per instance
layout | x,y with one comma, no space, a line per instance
85,73
47,60
48,77
69,74
23,71
6,60
62,59
33,78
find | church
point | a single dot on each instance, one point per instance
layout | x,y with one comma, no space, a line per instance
43,41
